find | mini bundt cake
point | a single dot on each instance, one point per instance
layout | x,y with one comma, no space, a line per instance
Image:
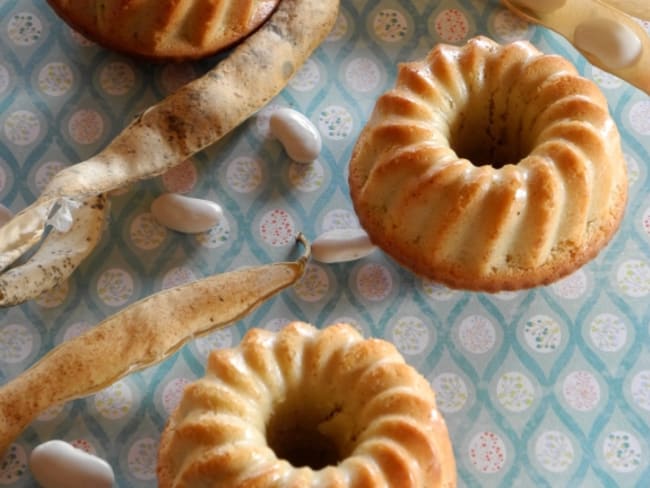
307,408
490,167
165,29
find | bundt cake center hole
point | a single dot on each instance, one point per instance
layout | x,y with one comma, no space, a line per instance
485,140
294,436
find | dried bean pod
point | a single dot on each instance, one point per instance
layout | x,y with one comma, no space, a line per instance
139,336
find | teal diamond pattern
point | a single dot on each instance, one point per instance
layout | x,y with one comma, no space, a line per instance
547,387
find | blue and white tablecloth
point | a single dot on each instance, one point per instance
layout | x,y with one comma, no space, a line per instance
547,387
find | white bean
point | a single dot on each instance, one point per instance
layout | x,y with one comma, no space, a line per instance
186,214
614,44
540,6
57,464
300,138
341,245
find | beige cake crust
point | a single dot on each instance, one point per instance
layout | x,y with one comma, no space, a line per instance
490,167
359,395
165,29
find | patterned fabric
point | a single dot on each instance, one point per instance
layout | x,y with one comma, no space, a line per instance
548,387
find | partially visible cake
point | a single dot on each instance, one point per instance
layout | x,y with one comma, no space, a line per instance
307,408
490,167
165,29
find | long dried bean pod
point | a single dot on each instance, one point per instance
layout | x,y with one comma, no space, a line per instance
139,336
206,109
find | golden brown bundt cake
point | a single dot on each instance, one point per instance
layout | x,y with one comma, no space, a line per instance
490,167
165,29
307,408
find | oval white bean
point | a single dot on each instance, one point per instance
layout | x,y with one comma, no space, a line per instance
612,43
57,464
300,138
186,214
341,245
